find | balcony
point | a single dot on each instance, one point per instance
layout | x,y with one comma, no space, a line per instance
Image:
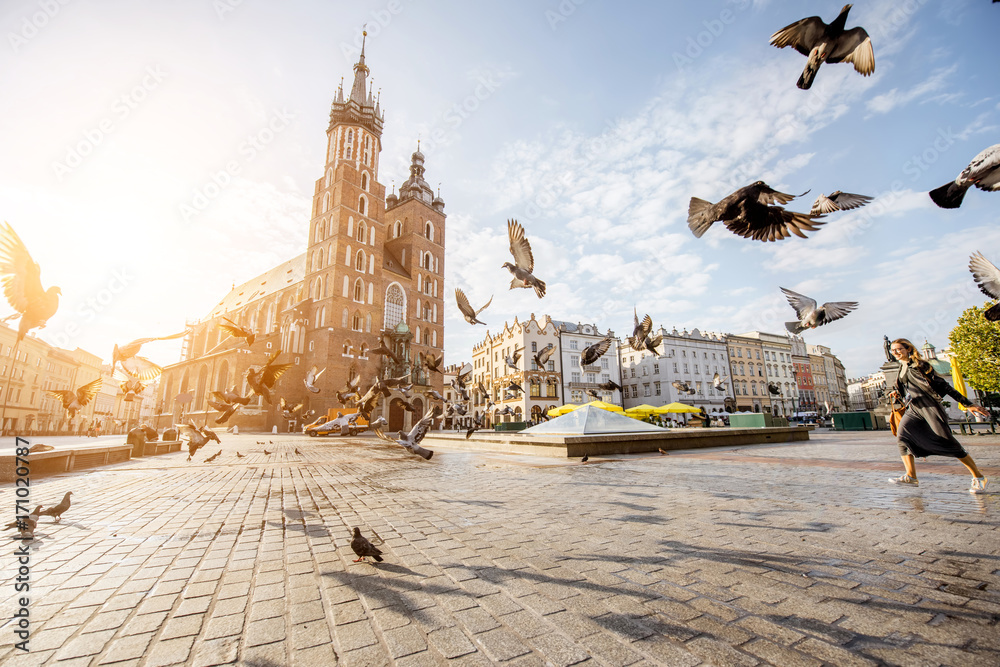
583,385
592,369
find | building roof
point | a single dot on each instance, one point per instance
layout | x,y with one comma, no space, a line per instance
283,275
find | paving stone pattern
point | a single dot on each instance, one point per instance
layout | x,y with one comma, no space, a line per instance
796,554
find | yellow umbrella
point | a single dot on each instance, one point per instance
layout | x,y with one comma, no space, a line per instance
675,407
643,410
569,407
958,381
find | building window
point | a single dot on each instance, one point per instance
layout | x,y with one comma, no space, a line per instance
362,205
362,232
572,345
359,259
656,387
534,346
574,376
364,177
359,290
675,367
429,231
656,369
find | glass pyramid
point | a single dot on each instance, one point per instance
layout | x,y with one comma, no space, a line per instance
591,420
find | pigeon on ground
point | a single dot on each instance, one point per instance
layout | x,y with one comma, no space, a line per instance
26,525
682,387
197,437
592,353
411,441
524,261
542,356
217,455
827,43
610,385
238,455
123,353
749,212
983,172
363,548
433,363
468,312
22,284
262,379
384,350
586,457
236,331
810,316
56,511
838,201
640,331
311,377
662,451
267,453
988,278
76,400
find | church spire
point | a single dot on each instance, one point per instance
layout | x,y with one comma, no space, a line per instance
358,92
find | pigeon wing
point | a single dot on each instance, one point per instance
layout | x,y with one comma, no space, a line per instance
855,47
802,304
142,368
834,310
986,274
88,391
802,35
464,305
846,201
519,247
595,351
22,276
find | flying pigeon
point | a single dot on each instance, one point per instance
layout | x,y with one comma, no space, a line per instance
26,525
610,385
988,278
22,284
719,383
507,410
511,360
810,316
593,394
262,379
379,421
749,212
983,172
196,437
524,261
468,312
640,331
773,388
434,394
76,400
287,410
477,424
542,356
827,43
384,350
56,511
682,387
215,456
236,331
592,353
838,201
311,377
433,363
411,441
231,397
652,342
363,548
130,386
226,409
123,353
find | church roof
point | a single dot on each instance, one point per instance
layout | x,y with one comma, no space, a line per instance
283,275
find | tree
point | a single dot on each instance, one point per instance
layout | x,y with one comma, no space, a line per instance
975,345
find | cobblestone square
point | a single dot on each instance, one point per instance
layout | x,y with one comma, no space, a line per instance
798,554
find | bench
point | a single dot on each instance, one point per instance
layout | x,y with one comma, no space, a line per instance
79,458
992,426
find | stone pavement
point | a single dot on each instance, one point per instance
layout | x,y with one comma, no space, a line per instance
796,554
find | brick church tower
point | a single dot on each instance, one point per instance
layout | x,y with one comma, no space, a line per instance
373,275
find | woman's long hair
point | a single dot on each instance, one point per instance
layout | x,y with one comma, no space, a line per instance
913,355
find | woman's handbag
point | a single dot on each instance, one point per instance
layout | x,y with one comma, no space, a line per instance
894,418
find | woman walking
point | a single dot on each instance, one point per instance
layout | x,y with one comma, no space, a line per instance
924,430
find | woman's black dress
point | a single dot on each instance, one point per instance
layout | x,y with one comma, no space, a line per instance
924,429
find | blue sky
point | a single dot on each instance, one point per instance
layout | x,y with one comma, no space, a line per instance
593,123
